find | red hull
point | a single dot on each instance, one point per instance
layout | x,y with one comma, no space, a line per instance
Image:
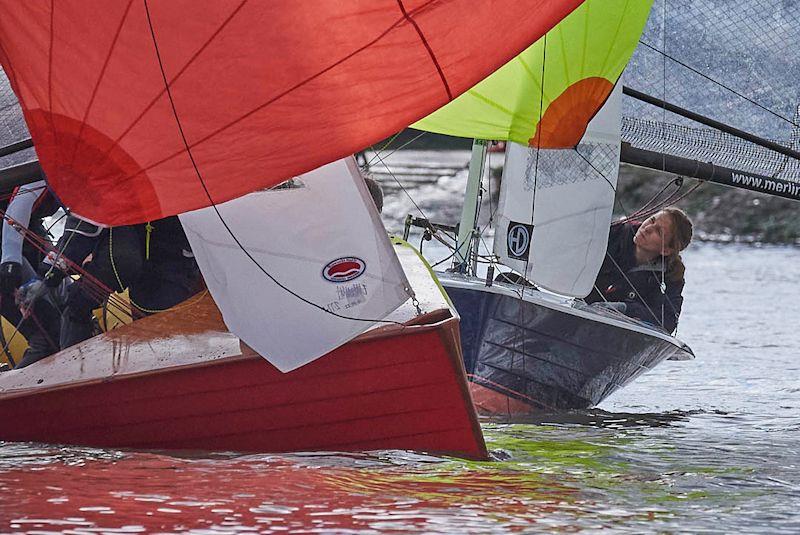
493,404
394,388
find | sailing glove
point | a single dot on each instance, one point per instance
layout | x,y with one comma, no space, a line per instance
28,293
10,276
52,275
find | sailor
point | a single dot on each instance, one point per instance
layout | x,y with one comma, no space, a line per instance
375,190
38,321
152,260
643,274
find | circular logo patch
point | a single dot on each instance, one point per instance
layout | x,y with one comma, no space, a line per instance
344,269
518,240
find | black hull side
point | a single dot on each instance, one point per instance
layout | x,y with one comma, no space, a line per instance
547,358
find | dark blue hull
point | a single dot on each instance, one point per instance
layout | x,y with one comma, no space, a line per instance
523,355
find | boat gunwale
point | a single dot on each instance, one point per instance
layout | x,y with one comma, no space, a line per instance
383,332
548,301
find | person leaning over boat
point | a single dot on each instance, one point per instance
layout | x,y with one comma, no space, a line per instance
152,260
643,274
40,327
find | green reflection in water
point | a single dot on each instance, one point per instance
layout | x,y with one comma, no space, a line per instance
578,475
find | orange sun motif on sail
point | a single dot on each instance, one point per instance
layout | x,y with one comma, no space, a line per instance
564,121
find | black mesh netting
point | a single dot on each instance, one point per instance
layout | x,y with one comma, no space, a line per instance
589,161
735,61
12,125
707,145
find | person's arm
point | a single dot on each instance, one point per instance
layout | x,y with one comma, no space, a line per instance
77,242
19,211
638,310
673,302
670,302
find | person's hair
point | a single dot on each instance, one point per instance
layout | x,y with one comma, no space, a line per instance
681,228
374,190
681,237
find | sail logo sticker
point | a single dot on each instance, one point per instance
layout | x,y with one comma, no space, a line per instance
518,240
344,269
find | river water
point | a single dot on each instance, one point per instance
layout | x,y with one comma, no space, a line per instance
710,445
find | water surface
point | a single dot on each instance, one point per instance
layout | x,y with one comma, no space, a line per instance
707,445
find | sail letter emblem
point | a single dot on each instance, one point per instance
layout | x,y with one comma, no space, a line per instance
519,240
344,269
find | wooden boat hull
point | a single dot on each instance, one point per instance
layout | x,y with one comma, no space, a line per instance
179,380
528,355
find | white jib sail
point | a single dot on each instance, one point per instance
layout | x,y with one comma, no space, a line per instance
555,206
319,236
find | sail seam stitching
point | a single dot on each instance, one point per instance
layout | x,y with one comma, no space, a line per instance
268,102
183,69
188,151
427,47
50,71
96,88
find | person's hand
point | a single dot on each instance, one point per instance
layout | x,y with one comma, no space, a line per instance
28,293
617,306
52,275
10,277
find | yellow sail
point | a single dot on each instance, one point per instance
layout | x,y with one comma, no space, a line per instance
548,94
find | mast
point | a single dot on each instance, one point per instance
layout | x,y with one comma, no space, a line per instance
468,227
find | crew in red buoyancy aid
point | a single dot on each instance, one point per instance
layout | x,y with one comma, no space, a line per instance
643,274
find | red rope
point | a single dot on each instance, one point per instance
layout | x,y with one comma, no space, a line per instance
91,285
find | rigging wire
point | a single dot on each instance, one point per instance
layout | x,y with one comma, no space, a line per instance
625,276
443,260
233,236
651,203
391,139
407,143
388,169
404,145
538,150
90,285
604,177
639,213
663,126
55,222
93,287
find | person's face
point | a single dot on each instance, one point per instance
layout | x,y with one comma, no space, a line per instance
655,235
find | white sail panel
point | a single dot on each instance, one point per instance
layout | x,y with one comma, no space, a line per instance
555,206
319,236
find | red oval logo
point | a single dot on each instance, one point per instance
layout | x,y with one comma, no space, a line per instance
344,269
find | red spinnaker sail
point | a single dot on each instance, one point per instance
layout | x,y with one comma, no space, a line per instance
141,109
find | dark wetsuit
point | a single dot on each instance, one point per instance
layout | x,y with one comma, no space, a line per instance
640,288
156,266
28,206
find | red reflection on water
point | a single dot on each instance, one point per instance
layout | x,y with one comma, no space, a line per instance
142,492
